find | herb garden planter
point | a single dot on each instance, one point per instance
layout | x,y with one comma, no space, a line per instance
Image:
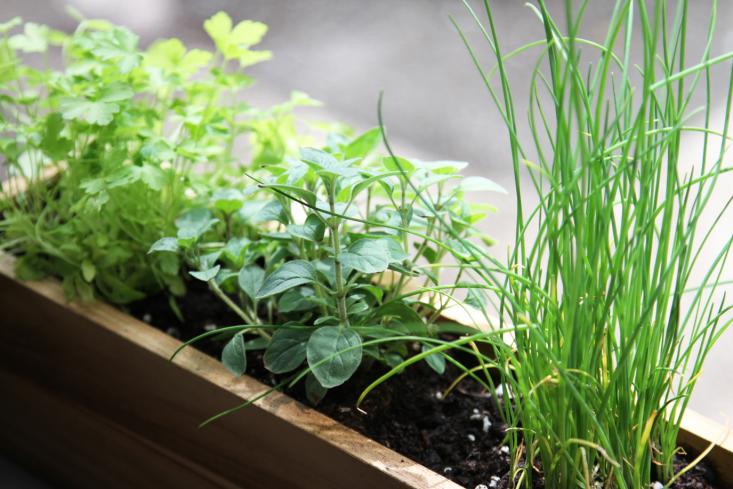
92,401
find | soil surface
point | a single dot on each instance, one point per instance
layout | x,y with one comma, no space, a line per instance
459,436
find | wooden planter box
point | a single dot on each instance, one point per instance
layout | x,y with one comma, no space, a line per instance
91,400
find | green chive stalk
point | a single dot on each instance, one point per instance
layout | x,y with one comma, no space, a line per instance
601,269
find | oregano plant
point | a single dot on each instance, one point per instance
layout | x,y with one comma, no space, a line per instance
327,255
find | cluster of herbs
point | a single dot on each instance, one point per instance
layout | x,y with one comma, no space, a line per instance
327,255
609,333
330,258
128,138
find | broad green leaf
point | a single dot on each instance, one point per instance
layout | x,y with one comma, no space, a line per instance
219,26
397,163
312,230
436,360
314,391
91,112
206,275
364,144
286,351
116,92
8,62
443,167
53,143
165,244
296,299
398,310
372,255
250,280
318,158
118,45
234,43
170,55
290,190
289,275
235,250
227,200
480,184
194,223
234,355
334,353
88,270
33,40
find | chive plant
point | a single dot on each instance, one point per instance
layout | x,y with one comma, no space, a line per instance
615,333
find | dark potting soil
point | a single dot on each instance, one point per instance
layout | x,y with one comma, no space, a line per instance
459,436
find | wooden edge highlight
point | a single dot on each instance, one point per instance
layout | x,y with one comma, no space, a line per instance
201,365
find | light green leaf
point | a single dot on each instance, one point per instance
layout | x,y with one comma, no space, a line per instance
99,113
33,40
234,355
334,353
289,275
287,350
88,270
227,200
206,275
234,43
116,92
53,143
152,176
364,144
480,184
165,244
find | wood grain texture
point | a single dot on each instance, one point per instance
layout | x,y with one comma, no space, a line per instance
95,403
93,373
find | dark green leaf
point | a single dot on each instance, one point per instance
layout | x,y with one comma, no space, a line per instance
287,350
312,230
436,360
314,391
334,353
234,355
289,275
250,280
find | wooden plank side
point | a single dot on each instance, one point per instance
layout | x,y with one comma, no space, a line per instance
699,432
70,443
112,364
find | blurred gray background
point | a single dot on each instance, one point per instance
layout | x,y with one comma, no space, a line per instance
344,52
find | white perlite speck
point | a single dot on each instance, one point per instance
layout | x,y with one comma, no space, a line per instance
494,481
486,424
657,485
481,486
471,437
504,449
